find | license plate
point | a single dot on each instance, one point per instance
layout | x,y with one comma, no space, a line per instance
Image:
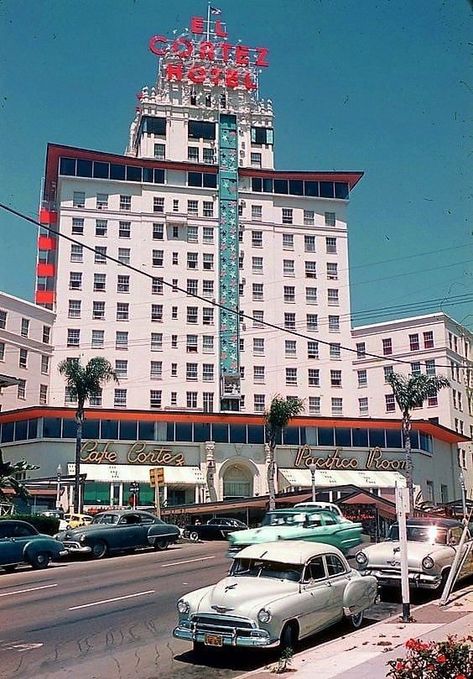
213,640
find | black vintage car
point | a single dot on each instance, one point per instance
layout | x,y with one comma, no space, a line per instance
119,531
214,529
21,543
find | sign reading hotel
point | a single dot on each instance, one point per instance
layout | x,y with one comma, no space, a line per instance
206,56
335,460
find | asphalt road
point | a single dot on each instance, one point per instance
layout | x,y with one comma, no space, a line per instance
113,618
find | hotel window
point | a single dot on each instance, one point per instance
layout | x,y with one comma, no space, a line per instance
208,235
258,346
158,205
256,213
122,311
387,346
158,257
290,321
98,339
77,226
175,258
193,207
414,343
258,318
156,370
2,353
46,334
174,313
191,344
291,376
242,372
192,314
330,245
362,378
388,370
121,340
156,341
207,316
124,229
432,401
259,403
208,156
258,291
44,365
330,219
311,295
43,394
430,367
335,351
255,159
336,378
287,215
337,406
207,344
310,269
100,255
332,297
390,403
78,199
157,313
102,201
100,282
173,369
125,203
363,405
100,227
208,208
192,234
207,289
155,398
191,399
258,374
69,397
334,323
3,319
175,205
257,239
23,358
332,271
119,399
121,368
123,283
160,151
428,339
173,400
77,253
207,372
208,402
309,218
287,241
309,243
73,337
314,405
290,347
98,311
360,350
25,327
158,231
313,377
192,286
312,322
193,153
288,267
289,293
192,260
415,368
124,255
21,393
312,350
75,280
207,261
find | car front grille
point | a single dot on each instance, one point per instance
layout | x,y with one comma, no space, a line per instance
222,623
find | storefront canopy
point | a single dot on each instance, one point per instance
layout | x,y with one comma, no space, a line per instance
125,473
324,478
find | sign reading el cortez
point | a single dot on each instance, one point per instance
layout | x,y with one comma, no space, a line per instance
156,477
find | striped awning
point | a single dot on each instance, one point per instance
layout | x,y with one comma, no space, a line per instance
126,473
325,478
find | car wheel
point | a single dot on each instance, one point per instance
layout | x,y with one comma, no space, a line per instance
40,560
9,569
160,545
288,637
194,536
99,550
443,581
357,619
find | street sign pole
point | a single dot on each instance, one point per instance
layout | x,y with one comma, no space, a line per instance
156,479
402,508
157,501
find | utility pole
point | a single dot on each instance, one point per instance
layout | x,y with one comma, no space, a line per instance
402,509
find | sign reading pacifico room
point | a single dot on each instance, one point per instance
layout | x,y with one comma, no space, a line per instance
334,460
199,60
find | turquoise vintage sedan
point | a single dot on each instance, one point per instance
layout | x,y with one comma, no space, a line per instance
296,524
21,543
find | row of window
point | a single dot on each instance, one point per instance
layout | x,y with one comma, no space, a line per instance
288,242
125,203
189,232
23,355
416,369
42,394
296,187
24,327
200,129
387,344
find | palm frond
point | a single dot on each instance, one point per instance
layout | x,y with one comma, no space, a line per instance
410,391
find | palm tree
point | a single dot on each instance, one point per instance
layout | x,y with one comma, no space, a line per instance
410,392
82,383
9,478
276,419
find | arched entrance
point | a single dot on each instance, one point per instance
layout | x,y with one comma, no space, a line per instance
237,482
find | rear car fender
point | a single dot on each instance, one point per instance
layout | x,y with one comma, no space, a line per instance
41,545
359,594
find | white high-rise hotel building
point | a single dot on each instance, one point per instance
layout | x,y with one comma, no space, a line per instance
196,205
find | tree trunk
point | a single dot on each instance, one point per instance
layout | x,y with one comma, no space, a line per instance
78,504
270,476
406,430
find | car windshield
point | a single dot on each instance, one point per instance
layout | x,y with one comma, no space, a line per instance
259,568
431,534
106,518
284,519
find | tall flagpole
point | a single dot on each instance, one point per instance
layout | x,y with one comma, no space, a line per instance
208,22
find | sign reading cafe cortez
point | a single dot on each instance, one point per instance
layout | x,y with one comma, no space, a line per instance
334,460
139,452
199,59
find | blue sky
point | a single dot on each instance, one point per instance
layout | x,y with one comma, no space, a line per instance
381,86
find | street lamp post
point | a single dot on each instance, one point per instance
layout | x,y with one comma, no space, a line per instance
58,486
312,468
461,476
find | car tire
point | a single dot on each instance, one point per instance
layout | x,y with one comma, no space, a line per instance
40,560
161,544
99,550
9,569
288,638
357,619
194,536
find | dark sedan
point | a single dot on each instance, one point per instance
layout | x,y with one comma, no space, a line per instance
21,543
119,531
215,529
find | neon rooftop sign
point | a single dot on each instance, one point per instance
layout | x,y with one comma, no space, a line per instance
205,56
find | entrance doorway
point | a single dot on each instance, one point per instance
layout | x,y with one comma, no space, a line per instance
237,482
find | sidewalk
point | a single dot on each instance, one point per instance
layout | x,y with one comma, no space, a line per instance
363,654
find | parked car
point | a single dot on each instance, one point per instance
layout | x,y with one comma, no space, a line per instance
76,520
329,506
21,543
431,548
119,531
275,596
214,529
59,515
300,524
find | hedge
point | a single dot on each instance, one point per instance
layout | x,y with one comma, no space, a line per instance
43,524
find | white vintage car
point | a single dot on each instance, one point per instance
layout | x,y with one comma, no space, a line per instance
275,594
431,548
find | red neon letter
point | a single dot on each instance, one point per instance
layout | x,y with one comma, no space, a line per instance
215,75
197,25
153,45
248,82
242,55
207,51
182,47
261,53
226,48
219,29
174,71
196,74
231,78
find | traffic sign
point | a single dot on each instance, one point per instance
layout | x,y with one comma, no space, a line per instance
156,477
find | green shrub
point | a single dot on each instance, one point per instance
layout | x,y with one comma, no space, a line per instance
43,524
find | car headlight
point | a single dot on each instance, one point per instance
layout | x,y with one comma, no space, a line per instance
427,562
361,559
264,615
82,538
183,606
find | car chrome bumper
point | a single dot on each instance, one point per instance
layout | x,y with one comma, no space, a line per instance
76,548
256,638
393,579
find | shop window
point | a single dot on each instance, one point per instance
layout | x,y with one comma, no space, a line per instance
326,436
343,437
359,438
201,432
90,429
376,437
96,493
68,429
21,430
237,433
146,431
255,433
109,429
220,433
51,428
128,431
183,431
393,438
291,436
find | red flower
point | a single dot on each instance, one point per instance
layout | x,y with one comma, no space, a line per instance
441,658
401,666
460,676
